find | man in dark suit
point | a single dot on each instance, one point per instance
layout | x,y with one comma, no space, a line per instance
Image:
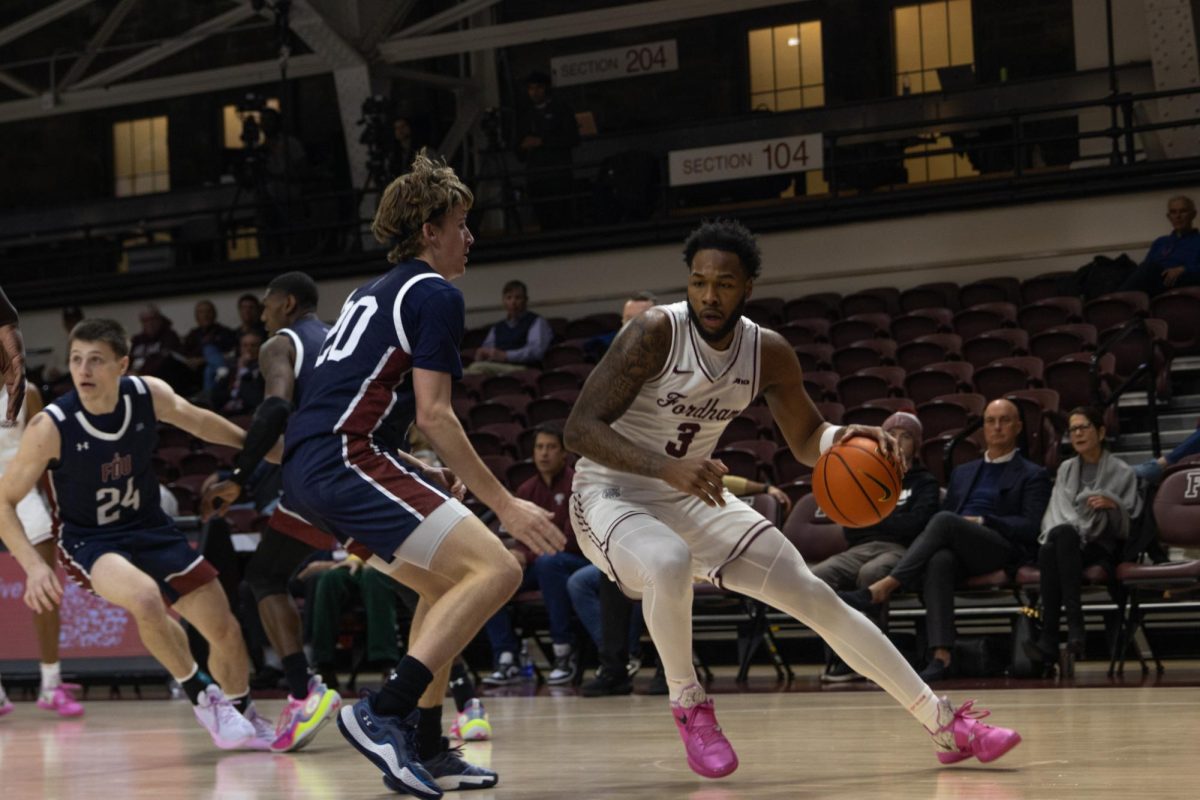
990,520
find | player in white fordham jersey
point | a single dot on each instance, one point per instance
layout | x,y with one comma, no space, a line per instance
649,508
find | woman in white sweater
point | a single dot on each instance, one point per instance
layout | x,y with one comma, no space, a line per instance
1095,496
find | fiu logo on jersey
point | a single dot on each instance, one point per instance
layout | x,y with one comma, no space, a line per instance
120,467
711,410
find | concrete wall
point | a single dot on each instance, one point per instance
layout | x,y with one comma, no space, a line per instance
1021,241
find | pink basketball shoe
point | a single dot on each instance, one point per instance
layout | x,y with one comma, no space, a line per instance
970,737
62,701
709,753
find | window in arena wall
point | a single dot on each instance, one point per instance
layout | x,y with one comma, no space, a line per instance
928,36
786,68
140,160
231,122
940,167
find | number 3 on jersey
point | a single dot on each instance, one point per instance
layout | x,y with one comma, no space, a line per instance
352,323
109,498
687,432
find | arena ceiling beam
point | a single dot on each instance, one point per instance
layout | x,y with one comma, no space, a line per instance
38,19
443,19
212,80
388,16
18,85
401,48
153,55
98,40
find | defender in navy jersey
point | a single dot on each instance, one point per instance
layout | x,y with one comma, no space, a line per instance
97,443
649,508
342,477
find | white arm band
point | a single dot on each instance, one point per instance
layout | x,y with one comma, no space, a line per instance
827,437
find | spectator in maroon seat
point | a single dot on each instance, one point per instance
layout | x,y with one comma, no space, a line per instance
157,350
1095,496
550,489
240,389
517,341
206,345
250,317
1173,260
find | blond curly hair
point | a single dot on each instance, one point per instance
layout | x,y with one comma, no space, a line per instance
422,195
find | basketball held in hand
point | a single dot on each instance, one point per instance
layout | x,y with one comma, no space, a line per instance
854,484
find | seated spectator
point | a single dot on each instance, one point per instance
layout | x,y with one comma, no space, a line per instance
550,489
637,302
990,520
205,346
875,550
240,389
1095,496
1151,471
156,350
516,342
250,316
338,583
1173,260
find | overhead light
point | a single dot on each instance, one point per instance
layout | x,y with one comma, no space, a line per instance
793,42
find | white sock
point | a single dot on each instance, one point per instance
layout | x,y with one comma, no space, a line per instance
51,677
3,696
925,709
561,650
189,676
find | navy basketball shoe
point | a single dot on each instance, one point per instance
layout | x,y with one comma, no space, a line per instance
452,772
390,743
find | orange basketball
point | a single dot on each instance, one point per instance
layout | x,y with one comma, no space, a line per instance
854,484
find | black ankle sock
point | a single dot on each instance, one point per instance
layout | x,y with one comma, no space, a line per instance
399,695
429,733
242,704
194,686
295,669
461,685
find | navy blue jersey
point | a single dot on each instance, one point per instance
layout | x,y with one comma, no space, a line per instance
103,479
410,317
307,335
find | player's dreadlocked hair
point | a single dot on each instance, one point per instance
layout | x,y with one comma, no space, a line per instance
419,196
727,235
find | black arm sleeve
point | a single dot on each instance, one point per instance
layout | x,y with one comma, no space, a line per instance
270,420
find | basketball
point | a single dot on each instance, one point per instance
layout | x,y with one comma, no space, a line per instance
854,484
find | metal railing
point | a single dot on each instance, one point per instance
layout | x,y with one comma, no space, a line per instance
334,220
1147,370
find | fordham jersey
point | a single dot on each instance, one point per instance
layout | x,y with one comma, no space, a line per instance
307,335
410,317
103,480
683,410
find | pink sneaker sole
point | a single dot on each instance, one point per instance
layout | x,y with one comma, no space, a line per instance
984,758
5,708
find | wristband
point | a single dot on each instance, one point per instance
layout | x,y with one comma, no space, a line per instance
827,437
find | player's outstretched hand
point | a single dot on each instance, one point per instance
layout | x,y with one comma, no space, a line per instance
700,477
446,479
42,589
531,525
218,498
888,445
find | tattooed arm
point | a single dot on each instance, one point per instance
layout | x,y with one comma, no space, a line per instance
637,354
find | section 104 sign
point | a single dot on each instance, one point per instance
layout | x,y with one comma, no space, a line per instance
729,162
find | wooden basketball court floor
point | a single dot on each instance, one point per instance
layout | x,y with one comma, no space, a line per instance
1079,742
